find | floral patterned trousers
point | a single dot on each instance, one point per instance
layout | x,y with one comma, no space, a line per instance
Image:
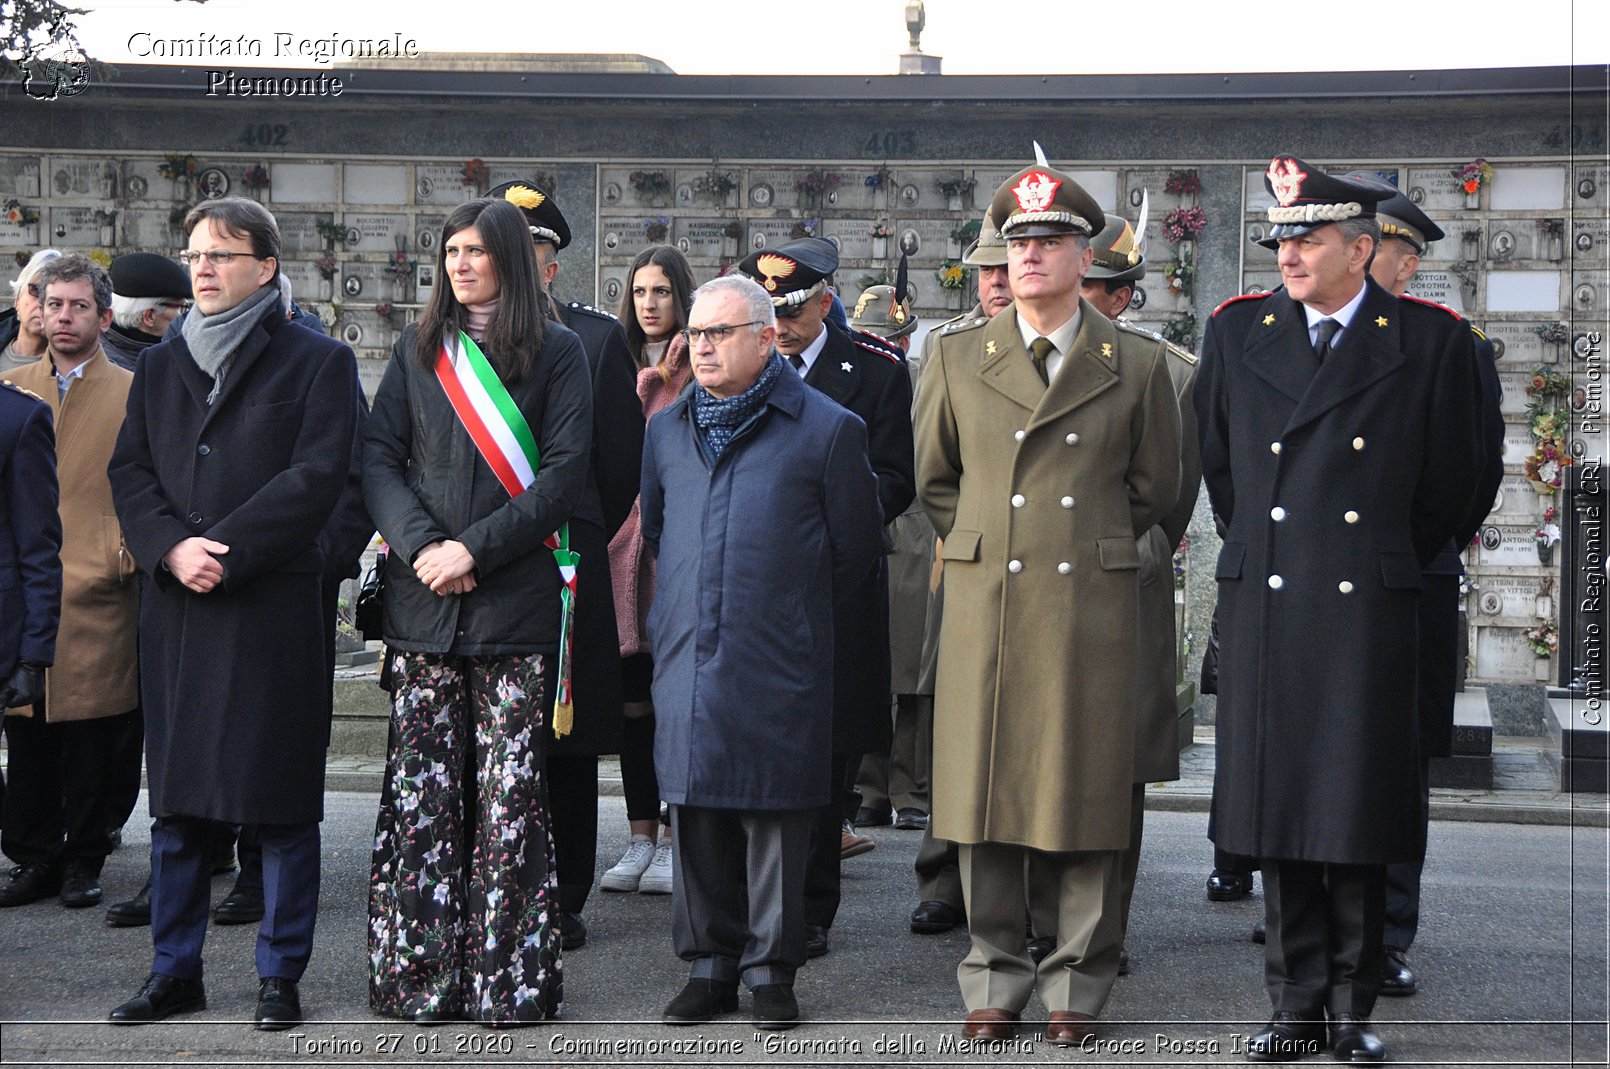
463,900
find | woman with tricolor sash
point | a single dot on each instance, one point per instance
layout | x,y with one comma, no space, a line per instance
475,455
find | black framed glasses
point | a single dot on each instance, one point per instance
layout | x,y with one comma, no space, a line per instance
717,334
216,257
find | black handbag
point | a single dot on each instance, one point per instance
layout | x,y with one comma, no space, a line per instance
369,614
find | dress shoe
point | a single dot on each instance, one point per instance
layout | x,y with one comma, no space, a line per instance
239,907
700,1001
1352,1040
815,940
869,817
851,844
1069,1028
1396,977
161,998
81,885
931,918
1228,886
990,1024
135,913
1123,962
572,931
1259,932
910,819
279,1006
1287,1037
1040,948
775,1007
29,883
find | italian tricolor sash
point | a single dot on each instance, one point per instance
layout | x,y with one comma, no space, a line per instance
504,439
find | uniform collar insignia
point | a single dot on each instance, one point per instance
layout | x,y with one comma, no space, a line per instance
845,366
1106,349
1380,321
1268,320
989,350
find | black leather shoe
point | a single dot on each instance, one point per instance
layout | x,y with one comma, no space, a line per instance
931,918
135,913
1040,948
1123,962
1352,1040
161,998
1287,1037
868,817
1397,978
279,1005
775,1007
700,1001
815,940
29,883
81,885
572,931
910,819
1228,886
1259,932
239,907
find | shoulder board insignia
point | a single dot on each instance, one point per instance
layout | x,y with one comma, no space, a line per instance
1478,332
1240,297
872,344
1184,354
1431,304
963,324
20,389
577,306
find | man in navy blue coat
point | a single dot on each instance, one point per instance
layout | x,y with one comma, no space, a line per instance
30,548
761,506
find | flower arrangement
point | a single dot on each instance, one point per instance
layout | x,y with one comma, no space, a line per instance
476,173
1546,386
384,310
20,214
715,185
956,187
399,266
656,228
1473,175
866,282
102,257
1183,183
1179,273
330,230
1181,552
733,229
1548,534
1182,223
817,182
177,166
325,265
881,229
1546,465
1551,228
804,228
1182,331
951,275
649,184
1544,639
1555,333
1467,582
880,178
256,177
105,216
967,232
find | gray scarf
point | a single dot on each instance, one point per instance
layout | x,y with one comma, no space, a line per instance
215,339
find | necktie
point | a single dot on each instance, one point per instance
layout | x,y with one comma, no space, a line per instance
1327,330
1041,348
798,362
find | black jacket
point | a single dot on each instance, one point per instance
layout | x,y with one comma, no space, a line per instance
425,482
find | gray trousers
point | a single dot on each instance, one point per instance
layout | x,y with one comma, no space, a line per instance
738,892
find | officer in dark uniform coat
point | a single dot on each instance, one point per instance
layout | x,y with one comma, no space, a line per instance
30,548
612,484
1405,233
1340,463
864,375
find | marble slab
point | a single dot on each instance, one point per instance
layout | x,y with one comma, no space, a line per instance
376,232
374,183
1434,189
299,232
1515,546
1513,597
1443,287
19,177
1589,185
854,238
304,183
67,176
1588,235
75,227
1523,291
1527,188
440,183
704,238
1502,653
1516,347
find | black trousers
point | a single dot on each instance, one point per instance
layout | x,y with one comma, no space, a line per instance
1402,919
1323,948
827,825
573,819
66,781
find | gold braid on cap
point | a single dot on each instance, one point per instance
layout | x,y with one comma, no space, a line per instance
1078,222
1316,213
1394,228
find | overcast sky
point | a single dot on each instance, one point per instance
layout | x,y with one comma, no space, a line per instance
867,36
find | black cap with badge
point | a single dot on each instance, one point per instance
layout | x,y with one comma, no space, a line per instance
145,274
542,215
794,272
1307,198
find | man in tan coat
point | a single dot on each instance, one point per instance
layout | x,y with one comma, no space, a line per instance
62,779
1048,440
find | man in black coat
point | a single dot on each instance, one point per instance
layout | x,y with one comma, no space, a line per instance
864,375
30,548
1405,232
612,483
234,454
149,292
1339,433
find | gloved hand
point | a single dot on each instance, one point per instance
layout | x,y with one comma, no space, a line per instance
25,687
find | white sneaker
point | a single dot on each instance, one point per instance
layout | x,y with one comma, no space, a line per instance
657,877
626,873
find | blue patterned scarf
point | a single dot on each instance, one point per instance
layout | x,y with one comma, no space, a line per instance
718,418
